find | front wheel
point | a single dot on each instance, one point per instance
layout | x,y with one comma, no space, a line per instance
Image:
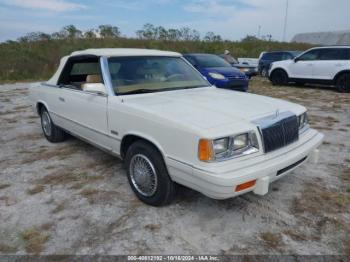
147,174
279,77
343,83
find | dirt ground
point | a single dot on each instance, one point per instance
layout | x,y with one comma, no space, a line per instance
71,198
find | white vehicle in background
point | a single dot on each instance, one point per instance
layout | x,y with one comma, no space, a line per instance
321,65
157,113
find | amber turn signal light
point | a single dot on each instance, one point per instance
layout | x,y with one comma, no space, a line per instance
245,185
205,150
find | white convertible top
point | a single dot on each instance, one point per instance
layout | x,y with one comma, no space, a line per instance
109,52
124,52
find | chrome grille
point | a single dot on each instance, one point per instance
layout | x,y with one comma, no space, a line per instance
280,134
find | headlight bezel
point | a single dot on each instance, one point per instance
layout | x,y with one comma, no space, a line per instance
217,76
303,122
251,146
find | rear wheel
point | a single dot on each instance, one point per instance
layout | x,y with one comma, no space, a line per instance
343,83
279,77
52,132
147,174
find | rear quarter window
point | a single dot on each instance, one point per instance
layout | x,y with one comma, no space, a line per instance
346,54
85,69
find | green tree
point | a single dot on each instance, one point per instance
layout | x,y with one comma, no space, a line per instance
212,37
70,31
109,31
90,34
35,36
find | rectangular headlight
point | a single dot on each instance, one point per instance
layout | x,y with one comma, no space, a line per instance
228,147
221,145
303,122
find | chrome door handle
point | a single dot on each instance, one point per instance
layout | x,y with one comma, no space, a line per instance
62,99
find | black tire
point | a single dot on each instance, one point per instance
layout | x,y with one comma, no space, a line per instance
279,77
264,72
343,83
53,133
164,190
301,84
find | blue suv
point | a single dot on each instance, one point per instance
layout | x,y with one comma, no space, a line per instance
267,58
219,72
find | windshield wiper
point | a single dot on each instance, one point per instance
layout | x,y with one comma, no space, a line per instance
138,91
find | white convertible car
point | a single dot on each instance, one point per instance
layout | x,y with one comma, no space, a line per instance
156,112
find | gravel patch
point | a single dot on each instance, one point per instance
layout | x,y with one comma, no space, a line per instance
71,198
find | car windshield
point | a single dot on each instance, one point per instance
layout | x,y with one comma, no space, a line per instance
147,74
208,61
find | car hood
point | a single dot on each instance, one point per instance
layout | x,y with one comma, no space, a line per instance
208,107
226,71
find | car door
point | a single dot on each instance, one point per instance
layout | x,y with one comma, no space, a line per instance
329,63
302,66
85,113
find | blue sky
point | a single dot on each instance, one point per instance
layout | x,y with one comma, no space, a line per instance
233,19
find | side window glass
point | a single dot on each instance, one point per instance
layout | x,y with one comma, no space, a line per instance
285,56
266,56
310,56
81,71
330,54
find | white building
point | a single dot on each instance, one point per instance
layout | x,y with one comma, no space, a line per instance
324,38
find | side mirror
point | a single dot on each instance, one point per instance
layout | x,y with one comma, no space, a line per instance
296,59
97,88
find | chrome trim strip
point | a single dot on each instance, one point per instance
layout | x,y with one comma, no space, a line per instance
50,85
304,129
83,92
108,151
106,75
272,119
74,90
92,129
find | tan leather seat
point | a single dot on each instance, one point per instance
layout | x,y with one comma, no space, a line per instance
93,79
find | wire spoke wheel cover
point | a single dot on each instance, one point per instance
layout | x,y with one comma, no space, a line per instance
143,175
46,123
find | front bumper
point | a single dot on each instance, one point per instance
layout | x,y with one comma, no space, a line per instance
220,180
234,84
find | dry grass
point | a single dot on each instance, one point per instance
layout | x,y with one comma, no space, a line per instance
45,154
34,240
3,186
317,200
67,177
47,226
59,208
6,249
153,227
20,108
35,190
95,196
296,235
272,240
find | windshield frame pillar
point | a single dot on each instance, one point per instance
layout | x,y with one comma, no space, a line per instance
106,76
